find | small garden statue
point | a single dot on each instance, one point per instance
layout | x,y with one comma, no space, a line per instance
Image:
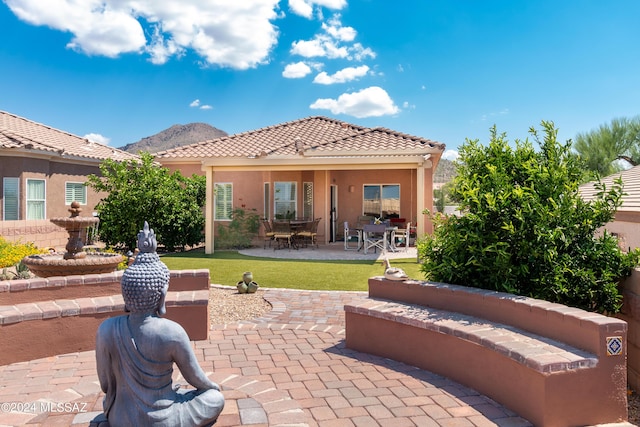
135,354
247,285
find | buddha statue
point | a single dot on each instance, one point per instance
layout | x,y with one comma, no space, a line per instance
135,354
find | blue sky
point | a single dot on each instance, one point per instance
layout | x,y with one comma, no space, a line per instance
121,70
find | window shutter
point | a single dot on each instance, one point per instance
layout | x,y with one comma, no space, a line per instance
75,191
224,201
11,197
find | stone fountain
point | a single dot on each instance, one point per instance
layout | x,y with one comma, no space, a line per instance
74,260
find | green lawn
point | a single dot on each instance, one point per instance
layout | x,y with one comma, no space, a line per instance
226,268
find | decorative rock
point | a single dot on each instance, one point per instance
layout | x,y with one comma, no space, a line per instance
247,285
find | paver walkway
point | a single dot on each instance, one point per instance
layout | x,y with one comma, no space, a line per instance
289,368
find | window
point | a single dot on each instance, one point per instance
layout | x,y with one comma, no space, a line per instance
36,199
10,199
307,202
285,200
381,201
267,200
224,201
75,191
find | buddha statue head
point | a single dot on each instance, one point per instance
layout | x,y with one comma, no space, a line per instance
146,282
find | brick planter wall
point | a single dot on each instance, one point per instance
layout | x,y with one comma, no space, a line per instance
43,317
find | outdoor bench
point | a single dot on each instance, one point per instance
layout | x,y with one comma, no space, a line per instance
551,364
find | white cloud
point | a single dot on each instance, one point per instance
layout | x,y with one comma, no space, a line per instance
96,137
335,29
237,34
305,7
345,75
360,53
370,102
296,70
406,105
309,48
450,154
333,43
196,104
301,7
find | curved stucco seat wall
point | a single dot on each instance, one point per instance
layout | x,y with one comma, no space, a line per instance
551,364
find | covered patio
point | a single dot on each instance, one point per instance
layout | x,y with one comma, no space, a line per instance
314,168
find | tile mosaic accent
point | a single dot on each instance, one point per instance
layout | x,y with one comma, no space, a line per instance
614,346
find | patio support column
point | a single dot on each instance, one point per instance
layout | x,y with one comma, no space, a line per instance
420,200
208,213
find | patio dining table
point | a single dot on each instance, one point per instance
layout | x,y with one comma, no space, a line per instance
380,236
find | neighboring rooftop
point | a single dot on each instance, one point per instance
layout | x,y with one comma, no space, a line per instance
306,136
25,136
631,188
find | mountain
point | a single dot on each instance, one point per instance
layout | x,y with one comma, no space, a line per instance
175,136
445,171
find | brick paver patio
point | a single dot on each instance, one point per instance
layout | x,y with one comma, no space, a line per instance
289,368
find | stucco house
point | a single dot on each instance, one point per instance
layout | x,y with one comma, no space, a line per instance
627,220
42,170
315,167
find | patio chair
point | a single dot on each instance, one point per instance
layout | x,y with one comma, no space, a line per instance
397,222
268,232
401,238
309,234
351,234
282,235
375,237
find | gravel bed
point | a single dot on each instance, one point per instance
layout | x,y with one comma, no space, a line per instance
634,408
227,305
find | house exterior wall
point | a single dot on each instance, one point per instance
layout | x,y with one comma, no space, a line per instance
350,203
627,226
248,191
55,174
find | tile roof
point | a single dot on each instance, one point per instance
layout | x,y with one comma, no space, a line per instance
631,188
22,134
312,134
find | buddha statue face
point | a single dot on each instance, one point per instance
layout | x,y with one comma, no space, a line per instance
146,282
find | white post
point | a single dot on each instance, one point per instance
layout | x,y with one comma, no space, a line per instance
208,213
420,201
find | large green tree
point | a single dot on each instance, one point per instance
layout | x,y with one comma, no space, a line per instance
525,229
139,191
603,148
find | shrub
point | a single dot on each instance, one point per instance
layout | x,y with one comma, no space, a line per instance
526,230
240,232
143,191
12,253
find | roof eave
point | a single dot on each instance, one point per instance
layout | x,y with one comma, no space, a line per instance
336,162
356,153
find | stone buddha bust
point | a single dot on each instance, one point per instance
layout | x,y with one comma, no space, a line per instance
135,354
